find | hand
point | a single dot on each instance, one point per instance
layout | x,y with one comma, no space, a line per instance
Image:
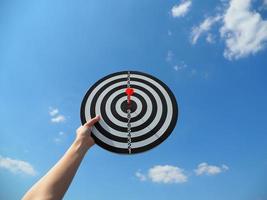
83,133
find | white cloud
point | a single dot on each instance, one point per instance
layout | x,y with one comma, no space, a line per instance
206,169
55,116
182,9
166,174
265,2
17,166
204,26
140,176
180,66
60,138
53,111
58,119
244,31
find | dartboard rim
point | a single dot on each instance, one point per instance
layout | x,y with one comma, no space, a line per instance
148,147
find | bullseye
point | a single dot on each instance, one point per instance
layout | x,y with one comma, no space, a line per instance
138,112
125,105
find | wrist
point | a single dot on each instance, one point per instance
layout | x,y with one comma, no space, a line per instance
80,145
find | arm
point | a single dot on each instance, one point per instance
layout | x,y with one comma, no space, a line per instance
55,183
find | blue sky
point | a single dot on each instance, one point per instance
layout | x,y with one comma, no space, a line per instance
211,54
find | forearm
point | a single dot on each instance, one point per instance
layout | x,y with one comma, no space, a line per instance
56,182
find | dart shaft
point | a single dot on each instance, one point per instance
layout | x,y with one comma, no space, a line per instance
129,99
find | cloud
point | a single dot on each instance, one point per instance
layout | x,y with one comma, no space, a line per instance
60,137
182,9
169,56
17,166
191,72
206,169
204,26
53,111
167,174
244,31
163,174
180,66
58,119
140,176
176,68
55,116
210,38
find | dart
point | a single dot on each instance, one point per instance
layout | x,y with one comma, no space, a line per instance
129,91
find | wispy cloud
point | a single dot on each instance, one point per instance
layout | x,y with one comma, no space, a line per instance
206,169
55,116
163,174
182,9
191,72
180,66
204,27
169,56
60,137
244,30
17,166
140,176
53,111
210,38
58,119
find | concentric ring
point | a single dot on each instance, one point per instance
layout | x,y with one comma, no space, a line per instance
156,118
135,116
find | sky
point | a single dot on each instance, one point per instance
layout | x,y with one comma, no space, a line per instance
212,55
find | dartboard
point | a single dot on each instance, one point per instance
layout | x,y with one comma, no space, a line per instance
138,112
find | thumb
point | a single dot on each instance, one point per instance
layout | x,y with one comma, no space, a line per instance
91,122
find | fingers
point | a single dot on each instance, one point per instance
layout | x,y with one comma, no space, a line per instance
91,122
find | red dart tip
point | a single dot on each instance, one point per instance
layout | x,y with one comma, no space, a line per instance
129,91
